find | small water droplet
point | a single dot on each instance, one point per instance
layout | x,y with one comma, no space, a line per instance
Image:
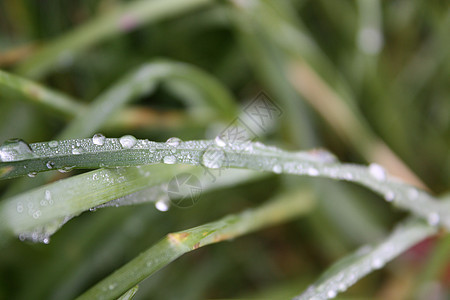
46,240
377,171
173,142
312,171
342,287
19,207
128,141
65,169
413,193
377,263
169,159
37,214
331,294
98,139
77,150
15,149
112,286
277,169
214,158
32,174
48,195
53,144
162,205
389,196
219,141
433,219
348,176
50,165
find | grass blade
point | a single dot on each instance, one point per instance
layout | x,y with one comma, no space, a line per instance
350,269
113,23
281,209
128,151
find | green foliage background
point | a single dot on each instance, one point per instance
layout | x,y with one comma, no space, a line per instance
355,97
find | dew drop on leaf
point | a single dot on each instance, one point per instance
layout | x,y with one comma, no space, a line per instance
277,169
377,171
162,205
433,219
15,149
173,142
53,144
128,141
219,141
169,159
214,158
50,165
98,139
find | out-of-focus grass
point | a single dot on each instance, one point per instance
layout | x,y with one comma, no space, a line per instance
387,62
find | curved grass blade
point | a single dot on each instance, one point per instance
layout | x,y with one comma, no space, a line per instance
115,22
128,151
350,269
143,80
57,102
281,209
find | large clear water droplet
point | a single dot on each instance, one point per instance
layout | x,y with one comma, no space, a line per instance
214,158
173,142
128,141
98,139
15,149
377,171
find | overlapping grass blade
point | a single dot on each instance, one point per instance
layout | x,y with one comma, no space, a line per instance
281,209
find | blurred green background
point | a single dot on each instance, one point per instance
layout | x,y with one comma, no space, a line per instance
369,80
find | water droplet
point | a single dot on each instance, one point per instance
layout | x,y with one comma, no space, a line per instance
377,263
312,172
219,141
46,240
32,174
128,141
37,214
65,169
413,193
53,144
173,141
433,219
331,294
342,287
389,196
48,195
323,156
214,158
98,139
50,164
377,171
77,150
112,286
277,169
348,176
19,207
15,149
162,205
169,159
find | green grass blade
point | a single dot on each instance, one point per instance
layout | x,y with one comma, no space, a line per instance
113,23
281,209
57,102
350,269
128,151
143,80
